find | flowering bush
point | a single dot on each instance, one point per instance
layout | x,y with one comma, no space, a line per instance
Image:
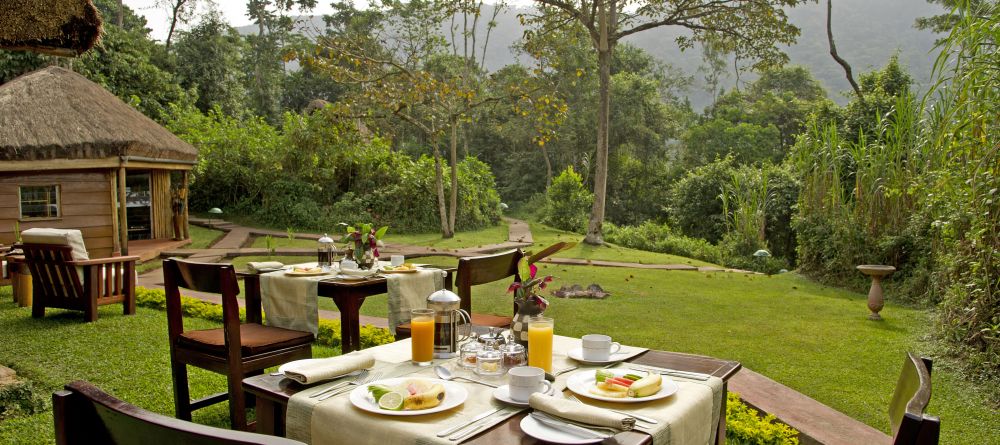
524,291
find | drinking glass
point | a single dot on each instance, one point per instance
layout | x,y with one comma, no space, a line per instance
540,330
422,336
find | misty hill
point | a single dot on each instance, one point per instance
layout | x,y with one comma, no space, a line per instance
867,33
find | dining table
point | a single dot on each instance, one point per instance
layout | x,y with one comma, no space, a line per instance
273,393
347,295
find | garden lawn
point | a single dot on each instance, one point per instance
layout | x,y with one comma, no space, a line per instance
474,238
812,338
126,356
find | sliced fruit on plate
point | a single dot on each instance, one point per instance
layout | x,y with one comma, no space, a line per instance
391,401
646,386
428,398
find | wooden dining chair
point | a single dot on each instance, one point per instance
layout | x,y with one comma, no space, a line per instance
236,350
86,415
910,425
64,276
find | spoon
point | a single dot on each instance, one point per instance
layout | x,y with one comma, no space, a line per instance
445,374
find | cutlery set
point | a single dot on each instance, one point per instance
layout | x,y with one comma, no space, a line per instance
456,436
670,372
362,378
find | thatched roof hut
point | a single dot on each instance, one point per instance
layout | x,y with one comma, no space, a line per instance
73,155
59,27
54,113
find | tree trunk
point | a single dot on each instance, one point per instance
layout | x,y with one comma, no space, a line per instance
120,16
453,210
439,185
173,26
836,57
594,235
548,167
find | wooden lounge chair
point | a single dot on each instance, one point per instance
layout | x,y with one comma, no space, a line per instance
236,350
910,425
64,276
86,415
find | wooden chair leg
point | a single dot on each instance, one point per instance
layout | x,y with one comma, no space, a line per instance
237,403
37,308
182,396
90,312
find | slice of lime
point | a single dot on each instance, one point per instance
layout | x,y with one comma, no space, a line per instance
391,400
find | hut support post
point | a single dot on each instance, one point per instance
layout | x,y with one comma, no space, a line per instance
116,232
184,222
122,218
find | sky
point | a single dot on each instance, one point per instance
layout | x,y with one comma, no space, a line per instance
234,11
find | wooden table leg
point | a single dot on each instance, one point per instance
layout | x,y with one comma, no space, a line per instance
720,437
270,418
349,305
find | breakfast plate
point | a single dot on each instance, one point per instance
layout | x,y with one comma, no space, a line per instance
581,383
546,433
306,272
454,395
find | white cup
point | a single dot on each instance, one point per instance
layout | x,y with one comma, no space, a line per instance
599,347
397,260
525,381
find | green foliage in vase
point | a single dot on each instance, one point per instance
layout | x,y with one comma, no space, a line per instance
567,202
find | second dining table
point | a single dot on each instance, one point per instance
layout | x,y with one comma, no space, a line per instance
347,295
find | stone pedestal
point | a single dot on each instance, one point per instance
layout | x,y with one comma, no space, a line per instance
875,299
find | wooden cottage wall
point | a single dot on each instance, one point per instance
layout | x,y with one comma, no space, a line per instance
85,201
163,227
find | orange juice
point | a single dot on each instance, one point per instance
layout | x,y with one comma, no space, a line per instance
422,336
540,343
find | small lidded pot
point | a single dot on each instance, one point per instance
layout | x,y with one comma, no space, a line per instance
468,353
324,252
488,362
513,355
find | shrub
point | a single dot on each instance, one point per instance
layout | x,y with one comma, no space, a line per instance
695,205
329,330
21,398
654,237
567,202
745,426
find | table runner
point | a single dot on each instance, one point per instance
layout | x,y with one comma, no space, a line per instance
410,291
291,302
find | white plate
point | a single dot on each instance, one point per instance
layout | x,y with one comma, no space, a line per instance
294,273
349,277
581,382
545,433
363,273
454,395
577,354
503,394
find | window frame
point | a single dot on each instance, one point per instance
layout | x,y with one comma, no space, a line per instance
20,202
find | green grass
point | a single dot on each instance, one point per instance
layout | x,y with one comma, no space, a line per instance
490,235
126,356
202,237
546,236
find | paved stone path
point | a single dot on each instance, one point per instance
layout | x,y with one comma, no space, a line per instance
816,422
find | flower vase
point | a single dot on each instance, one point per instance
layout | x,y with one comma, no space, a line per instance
368,260
530,307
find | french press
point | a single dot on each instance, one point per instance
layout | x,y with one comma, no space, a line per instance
447,318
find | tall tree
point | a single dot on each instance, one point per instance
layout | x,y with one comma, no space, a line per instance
178,12
836,56
209,60
265,58
751,28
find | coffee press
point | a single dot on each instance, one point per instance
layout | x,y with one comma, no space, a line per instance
447,318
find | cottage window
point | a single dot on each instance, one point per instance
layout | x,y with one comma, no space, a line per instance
39,201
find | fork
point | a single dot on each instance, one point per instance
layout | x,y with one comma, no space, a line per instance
373,376
359,376
648,420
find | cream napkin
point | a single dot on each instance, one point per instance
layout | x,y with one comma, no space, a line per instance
578,412
257,266
312,371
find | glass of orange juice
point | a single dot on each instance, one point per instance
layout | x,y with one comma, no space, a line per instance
540,331
422,336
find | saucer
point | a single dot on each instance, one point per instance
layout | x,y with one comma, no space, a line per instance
503,394
577,354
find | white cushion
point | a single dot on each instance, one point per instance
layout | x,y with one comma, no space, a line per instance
63,237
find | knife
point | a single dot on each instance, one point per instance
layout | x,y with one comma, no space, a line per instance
673,372
568,427
465,424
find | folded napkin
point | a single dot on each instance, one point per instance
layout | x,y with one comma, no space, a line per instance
358,272
257,266
579,412
312,371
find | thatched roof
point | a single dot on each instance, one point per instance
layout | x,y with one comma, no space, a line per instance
54,113
57,27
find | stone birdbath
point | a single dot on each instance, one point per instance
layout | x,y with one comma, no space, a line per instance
875,301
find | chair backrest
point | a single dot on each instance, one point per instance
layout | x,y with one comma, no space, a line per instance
61,237
216,278
473,271
910,426
55,276
84,415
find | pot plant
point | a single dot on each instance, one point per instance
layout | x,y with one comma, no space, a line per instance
363,242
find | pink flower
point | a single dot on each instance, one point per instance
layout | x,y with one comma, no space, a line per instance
514,286
534,269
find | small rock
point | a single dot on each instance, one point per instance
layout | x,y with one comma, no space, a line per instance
7,376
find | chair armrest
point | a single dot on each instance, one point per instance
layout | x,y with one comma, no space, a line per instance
111,260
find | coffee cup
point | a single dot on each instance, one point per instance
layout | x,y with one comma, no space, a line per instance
525,381
599,347
396,260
